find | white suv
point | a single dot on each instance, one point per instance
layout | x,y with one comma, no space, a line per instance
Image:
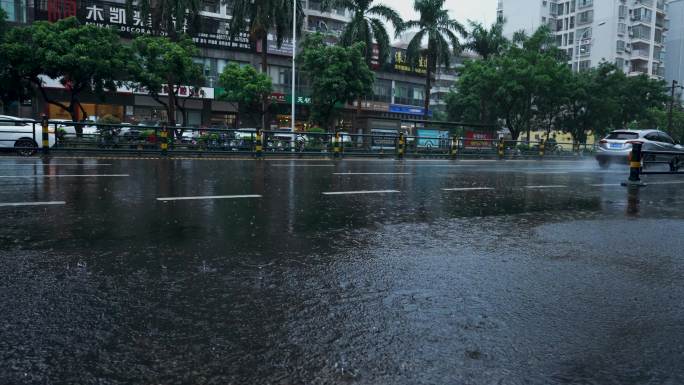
26,138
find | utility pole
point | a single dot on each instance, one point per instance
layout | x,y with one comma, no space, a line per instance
672,97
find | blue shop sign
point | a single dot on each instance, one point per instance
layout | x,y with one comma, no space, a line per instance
408,110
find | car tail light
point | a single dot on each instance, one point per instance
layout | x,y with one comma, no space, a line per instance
634,142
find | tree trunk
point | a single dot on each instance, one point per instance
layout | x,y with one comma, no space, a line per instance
428,87
358,112
264,70
171,111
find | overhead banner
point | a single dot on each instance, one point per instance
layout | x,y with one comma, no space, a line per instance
212,32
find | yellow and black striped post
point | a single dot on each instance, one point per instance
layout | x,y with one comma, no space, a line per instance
258,145
635,166
501,148
336,145
454,147
46,134
542,148
164,140
401,146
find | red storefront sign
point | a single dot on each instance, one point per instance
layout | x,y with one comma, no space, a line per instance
478,139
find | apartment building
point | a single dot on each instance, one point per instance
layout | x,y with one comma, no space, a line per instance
629,33
674,44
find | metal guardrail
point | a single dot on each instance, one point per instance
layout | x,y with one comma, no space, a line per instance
124,138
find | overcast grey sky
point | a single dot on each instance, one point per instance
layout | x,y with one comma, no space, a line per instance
461,10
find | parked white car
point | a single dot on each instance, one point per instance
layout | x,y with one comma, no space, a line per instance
23,136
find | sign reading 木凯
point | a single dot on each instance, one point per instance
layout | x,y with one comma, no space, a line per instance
210,32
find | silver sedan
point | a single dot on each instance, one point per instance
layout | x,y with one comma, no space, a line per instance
616,147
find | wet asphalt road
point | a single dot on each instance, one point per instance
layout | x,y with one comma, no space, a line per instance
457,273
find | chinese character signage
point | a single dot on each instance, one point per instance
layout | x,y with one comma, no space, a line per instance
478,139
285,48
399,61
212,32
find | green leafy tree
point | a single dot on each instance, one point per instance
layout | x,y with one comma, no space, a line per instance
160,65
261,17
592,101
12,87
636,96
659,118
338,75
471,98
3,23
82,58
368,26
440,31
245,86
487,42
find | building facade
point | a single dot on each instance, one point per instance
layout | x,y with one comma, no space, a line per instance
629,33
398,90
674,44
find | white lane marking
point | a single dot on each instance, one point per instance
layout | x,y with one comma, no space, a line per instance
65,176
546,172
52,164
542,187
208,197
468,189
361,192
372,173
17,204
606,185
662,183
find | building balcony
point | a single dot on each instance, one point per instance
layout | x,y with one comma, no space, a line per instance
641,54
647,3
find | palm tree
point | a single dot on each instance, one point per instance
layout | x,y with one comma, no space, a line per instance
259,17
440,30
487,42
368,25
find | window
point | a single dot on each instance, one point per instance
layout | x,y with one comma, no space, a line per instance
584,65
585,17
382,91
572,22
620,45
622,12
622,28
665,138
620,63
15,9
571,38
621,135
213,6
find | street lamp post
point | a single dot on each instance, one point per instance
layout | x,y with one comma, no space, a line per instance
675,85
294,59
579,44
